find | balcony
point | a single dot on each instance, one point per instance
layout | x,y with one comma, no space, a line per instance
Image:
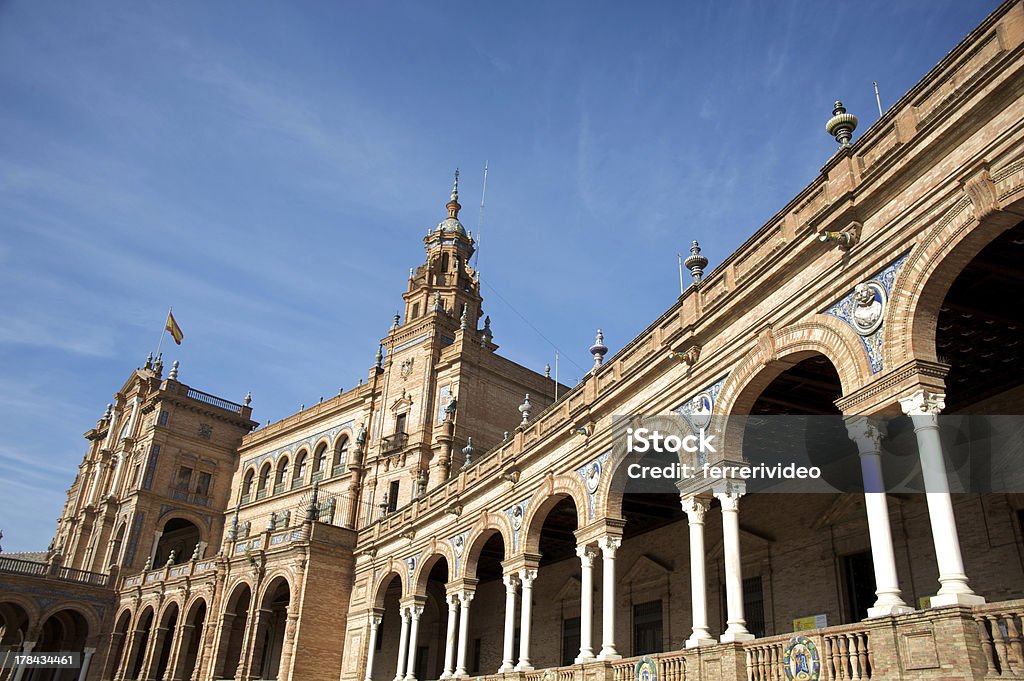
393,443
53,570
195,498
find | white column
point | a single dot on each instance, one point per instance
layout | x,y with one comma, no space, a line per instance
587,555
26,648
86,658
100,470
465,598
608,547
136,401
152,551
414,631
375,623
887,589
923,408
696,508
526,577
449,643
508,662
109,439
736,629
403,643
116,483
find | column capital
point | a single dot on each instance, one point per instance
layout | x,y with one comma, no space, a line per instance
527,575
511,580
923,403
452,599
865,432
587,554
376,619
609,545
729,494
695,507
466,597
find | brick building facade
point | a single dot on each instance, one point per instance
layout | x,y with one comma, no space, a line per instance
449,517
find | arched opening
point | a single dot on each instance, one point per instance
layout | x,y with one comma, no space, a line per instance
301,464
140,643
118,641
114,554
180,538
433,623
164,639
270,636
281,478
14,623
263,487
386,654
235,619
340,456
247,482
319,461
192,631
488,606
979,329
558,580
64,631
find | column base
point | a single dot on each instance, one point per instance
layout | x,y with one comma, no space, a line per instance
609,655
521,667
736,637
888,610
506,668
698,642
410,677
446,675
584,658
946,600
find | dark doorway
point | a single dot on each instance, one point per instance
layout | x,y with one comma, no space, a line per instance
859,575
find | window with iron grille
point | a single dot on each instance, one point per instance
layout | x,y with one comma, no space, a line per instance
647,628
570,639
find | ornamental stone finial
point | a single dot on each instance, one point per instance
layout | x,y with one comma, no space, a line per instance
149,361
547,371
841,125
464,319
598,349
109,413
467,452
379,357
395,320
696,263
453,205
248,398
174,371
525,408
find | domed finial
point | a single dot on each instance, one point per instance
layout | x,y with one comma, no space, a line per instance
598,349
379,357
438,307
525,408
547,371
174,371
395,321
149,361
467,452
453,205
696,263
109,412
841,125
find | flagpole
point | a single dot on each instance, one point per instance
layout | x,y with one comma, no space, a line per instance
162,334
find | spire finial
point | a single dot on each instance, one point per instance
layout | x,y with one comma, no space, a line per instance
174,371
598,349
524,409
379,357
696,263
841,125
453,205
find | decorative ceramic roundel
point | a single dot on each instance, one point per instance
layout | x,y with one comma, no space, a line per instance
460,545
517,518
702,413
869,300
800,660
645,670
593,477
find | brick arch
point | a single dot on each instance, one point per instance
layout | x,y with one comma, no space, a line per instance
380,586
821,335
270,584
202,524
189,608
231,601
937,259
442,549
556,488
165,606
27,604
485,527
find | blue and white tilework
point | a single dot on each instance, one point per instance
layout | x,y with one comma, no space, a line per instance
516,515
591,474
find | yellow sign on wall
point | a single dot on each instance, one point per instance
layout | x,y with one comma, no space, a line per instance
810,622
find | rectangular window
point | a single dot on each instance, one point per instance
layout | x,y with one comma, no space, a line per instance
162,419
647,628
475,669
203,484
570,640
860,585
415,310
184,478
400,423
393,496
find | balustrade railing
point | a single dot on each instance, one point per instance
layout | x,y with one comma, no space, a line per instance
999,628
37,569
764,660
847,656
213,400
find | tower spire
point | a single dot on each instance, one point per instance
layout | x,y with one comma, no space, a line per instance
453,205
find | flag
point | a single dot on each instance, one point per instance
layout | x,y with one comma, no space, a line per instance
173,327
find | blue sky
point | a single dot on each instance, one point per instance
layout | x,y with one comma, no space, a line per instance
270,169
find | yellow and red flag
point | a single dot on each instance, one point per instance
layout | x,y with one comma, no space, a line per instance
173,327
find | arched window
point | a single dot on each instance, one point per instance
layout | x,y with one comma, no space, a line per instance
282,475
247,485
445,262
261,491
320,461
340,456
299,474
